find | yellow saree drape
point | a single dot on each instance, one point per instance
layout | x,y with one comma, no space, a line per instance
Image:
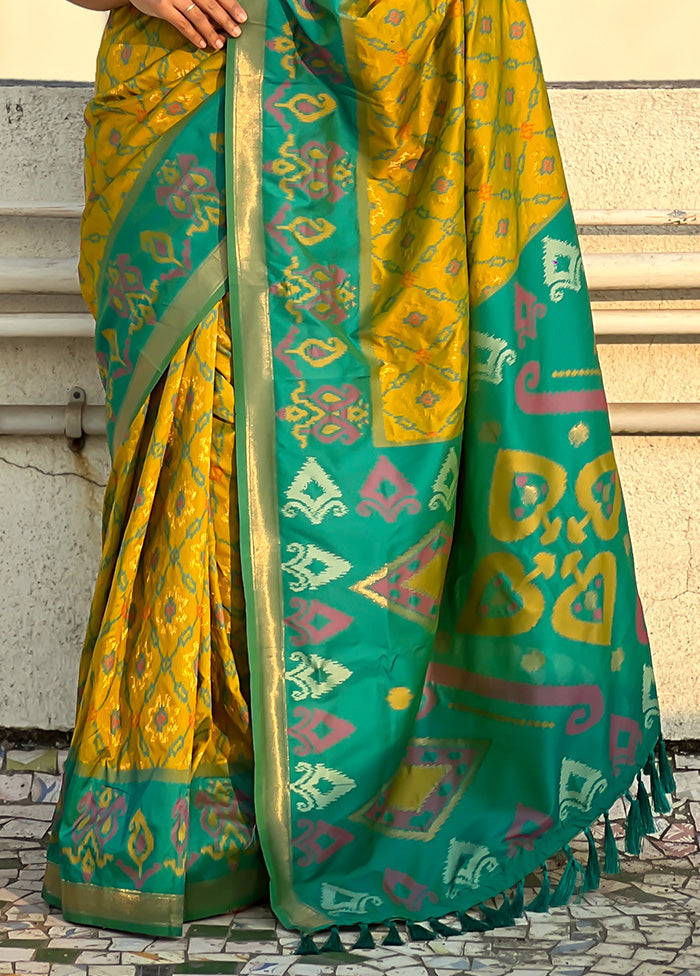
396,566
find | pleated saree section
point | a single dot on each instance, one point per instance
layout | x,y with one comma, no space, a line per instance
156,822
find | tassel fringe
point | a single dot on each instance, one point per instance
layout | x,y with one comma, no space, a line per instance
417,933
640,822
658,796
439,928
541,901
333,943
567,883
612,857
471,924
366,940
591,879
667,780
645,814
392,937
307,946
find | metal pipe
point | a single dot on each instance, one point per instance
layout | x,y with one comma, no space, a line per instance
41,276
643,324
627,272
627,419
32,420
584,218
635,272
623,323
637,218
655,419
67,209
48,326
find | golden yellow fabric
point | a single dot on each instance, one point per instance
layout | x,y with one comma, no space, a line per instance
417,170
148,698
130,113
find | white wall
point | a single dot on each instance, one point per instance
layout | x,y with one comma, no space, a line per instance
580,40
48,39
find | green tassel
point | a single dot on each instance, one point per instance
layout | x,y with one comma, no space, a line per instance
658,797
567,882
439,928
667,780
498,918
471,924
540,903
392,937
307,946
612,858
333,943
633,831
591,879
366,940
647,817
517,904
417,933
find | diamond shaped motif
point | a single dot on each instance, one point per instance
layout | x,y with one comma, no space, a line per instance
433,777
412,584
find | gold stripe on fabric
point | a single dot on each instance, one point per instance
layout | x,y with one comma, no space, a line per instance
229,891
181,317
116,904
268,668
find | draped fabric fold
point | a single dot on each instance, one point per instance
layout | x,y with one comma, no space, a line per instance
394,576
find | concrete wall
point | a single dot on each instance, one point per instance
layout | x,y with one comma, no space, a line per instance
623,148
580,40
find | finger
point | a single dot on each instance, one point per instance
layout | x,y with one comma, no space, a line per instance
203,25
235,10
218,14
186,29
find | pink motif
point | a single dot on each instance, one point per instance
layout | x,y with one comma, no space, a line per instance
325,291
317,731
274,233
625,737
138,880
272,102
531,401
403,890
519,837
193,181
387,492
396,585
315,622
321,170
126,284
334,414
315,842
527,311
325,180
95,826
182,268
587,698
456,763
281,351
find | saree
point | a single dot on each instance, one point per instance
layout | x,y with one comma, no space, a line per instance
366,637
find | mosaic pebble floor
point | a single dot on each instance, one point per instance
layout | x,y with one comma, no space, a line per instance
644,921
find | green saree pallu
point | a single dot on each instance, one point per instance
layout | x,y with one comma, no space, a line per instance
366,636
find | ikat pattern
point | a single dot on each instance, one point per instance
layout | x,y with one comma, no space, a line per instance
460,677
425,392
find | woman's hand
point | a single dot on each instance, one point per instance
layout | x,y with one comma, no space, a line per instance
200,21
